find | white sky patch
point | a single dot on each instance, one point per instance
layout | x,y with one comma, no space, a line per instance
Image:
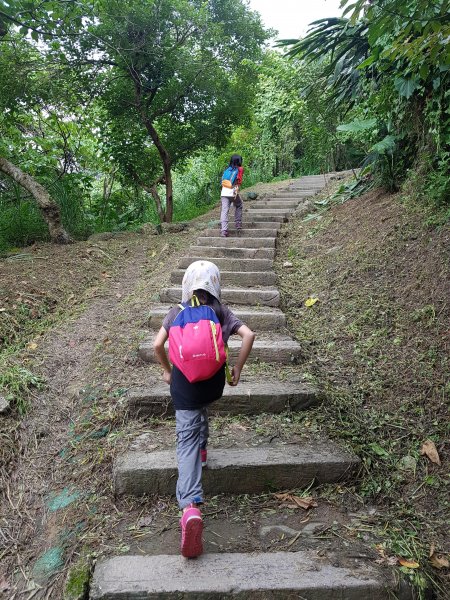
292,17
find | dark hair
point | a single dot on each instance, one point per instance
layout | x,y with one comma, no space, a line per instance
236,161
205,297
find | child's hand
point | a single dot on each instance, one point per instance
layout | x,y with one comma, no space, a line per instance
235,375
167,376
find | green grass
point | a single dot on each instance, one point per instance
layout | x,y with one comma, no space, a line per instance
17,383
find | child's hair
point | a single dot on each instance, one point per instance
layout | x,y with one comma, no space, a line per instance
205,297
236,161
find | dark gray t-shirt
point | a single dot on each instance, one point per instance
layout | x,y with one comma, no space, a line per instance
190,396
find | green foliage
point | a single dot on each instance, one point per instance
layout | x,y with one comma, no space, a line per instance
77,582
21,224
389,61
178,77
17,382
197,187
294,126
357,126
80,108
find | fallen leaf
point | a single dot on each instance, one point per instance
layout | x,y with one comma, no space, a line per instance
283,497
287,264
384,558
145,522
296,501
2,309
305,503
410,564
311,301
32,346
239,426
429,449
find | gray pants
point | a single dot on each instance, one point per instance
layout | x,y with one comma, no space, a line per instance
192,434
226,203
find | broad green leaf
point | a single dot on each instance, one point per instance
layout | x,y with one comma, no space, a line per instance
358,125
379,451
405,87
369,61
387,144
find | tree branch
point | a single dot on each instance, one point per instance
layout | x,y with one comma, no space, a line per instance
172,105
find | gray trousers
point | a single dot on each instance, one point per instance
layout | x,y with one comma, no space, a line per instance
192,434
226,203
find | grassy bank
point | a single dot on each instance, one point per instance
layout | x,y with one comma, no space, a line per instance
376,340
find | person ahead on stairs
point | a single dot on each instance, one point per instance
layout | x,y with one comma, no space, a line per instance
198,330
231,181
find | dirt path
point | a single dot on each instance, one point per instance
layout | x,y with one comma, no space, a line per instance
85,356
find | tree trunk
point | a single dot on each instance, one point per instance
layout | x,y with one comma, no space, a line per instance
153,190
167,166
49,209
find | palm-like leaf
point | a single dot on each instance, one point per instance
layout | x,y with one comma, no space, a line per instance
344,46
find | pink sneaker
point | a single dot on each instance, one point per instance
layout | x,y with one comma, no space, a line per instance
204,455
224,234
191,532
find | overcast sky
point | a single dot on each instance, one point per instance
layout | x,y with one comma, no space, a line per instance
291,17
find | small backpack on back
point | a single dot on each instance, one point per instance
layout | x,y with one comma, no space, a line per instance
229,177
196,346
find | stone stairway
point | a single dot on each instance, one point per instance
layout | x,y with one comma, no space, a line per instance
249,286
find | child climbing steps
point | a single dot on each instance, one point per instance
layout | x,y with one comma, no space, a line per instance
198,330
231,182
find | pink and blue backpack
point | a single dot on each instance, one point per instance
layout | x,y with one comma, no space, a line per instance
196,346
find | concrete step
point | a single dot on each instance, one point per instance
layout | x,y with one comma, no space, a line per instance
237,242
246,233
303,191
284,212
258,319
229,252
274,348
257,218
245,470
255,224
231,264
252,297
291,194
275,203
247,398
236,278
244,576
297,194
